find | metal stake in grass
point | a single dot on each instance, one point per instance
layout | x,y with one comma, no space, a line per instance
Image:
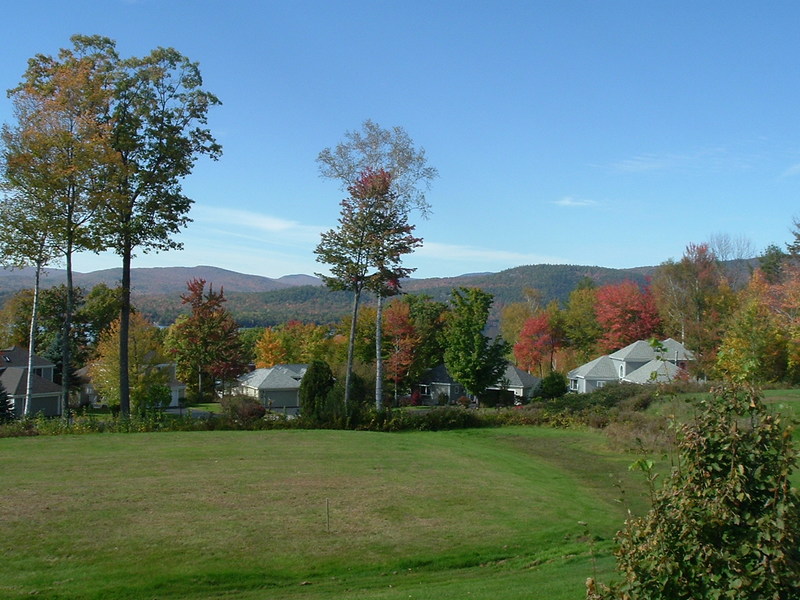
328,514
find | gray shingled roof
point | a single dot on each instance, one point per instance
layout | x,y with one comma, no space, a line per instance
279,377
665,371
518,378
600,368
637,351
18,357
15,381
675,349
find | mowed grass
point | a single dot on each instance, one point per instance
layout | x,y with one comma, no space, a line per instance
310,514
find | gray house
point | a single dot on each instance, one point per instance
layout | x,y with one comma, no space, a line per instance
277,388
639,362
521,383
437,383
45,394
593,375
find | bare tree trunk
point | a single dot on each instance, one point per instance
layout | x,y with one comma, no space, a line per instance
350,350
124,332
379,355
66,350
26,407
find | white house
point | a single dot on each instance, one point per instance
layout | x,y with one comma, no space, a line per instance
639,362
277,388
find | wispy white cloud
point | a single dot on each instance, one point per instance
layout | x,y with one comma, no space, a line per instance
251,225
644,163
569,201
713,159
792,171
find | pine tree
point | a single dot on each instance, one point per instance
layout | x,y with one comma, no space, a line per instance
6,406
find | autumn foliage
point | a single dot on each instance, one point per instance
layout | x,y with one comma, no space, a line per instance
626,313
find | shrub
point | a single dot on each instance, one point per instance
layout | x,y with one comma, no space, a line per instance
242,409
726,523
553,385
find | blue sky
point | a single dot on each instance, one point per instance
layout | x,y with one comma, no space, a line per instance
609,133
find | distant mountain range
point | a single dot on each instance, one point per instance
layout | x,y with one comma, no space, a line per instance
157,280
262,301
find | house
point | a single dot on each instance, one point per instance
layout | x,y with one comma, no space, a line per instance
277,388
593,375
437,386
45,394
521,383
639,362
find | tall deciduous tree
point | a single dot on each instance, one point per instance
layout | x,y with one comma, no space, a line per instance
146,353
26,239
694,301
471,358
292,342
159,118
58,155
206,344
626,313
541,336
367,248
581,328
392,151
403,340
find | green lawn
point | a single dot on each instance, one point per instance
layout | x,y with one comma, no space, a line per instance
483,514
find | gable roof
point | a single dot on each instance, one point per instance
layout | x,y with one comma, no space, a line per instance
674,350
15,382
637,351
279,377
600,368
16,356
516,377
664,371
438,374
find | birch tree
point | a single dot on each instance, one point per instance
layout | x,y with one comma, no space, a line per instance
57,155
374,148
26,240
367,247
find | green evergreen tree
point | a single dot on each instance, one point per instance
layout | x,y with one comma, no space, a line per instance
314,389
6,406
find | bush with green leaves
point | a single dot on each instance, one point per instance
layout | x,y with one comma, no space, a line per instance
553,385
726,522
242,409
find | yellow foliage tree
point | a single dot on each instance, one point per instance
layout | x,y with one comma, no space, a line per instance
145,351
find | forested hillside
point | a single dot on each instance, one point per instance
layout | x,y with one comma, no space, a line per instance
317,304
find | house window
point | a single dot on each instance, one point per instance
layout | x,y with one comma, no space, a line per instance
424,390
601,384
622,370
573,384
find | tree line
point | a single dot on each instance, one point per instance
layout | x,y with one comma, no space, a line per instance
742,328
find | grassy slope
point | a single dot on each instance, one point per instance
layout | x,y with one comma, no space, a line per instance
477,514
